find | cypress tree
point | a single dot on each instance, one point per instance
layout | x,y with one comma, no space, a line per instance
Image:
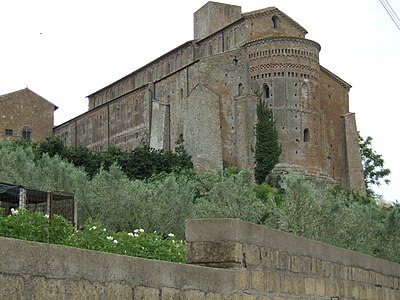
267,148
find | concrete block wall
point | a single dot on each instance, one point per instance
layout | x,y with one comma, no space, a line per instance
253,263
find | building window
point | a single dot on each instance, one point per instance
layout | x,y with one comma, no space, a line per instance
27,133
266,92
240,89
274,22
306,135
9,132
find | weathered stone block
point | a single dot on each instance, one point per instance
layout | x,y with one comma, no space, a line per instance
11,287
249,297
329,287
298,285
283,260
252,255
273,281
171,294
286,284
118,291
44,288
83,289
146,293
296,263
194,295
268,258
214,252
309,286
264,298
327,268
214,296
340,288
257,280
235,296
320,287
242,279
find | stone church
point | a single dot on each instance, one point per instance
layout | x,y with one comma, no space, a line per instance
205,91
26,115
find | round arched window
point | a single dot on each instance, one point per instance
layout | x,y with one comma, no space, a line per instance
306,137
274,22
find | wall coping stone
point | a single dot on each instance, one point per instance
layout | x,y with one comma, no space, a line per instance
68,263
204,230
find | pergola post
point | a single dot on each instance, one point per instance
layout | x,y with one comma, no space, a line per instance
22,198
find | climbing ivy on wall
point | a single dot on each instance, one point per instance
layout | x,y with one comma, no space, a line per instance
267,148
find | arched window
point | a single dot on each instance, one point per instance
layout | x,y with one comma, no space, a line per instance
274,22
304,91
240,89
26,133
306,135
266,92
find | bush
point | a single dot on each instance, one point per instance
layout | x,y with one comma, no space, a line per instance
34,226
228,196
317,210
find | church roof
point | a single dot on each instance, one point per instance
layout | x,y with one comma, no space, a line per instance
19,93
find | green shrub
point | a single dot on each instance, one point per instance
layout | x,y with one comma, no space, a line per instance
34,226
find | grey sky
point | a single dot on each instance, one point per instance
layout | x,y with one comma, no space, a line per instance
65,50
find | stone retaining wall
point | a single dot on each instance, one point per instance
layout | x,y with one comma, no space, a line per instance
253,262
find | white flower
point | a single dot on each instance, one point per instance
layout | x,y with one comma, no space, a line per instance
110,238
14,211
136,235
46,216
104,229
136,231
92,228
141,230
130,233
115,241
171,235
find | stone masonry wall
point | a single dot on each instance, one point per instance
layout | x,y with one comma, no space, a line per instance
25,108
276,265
254,263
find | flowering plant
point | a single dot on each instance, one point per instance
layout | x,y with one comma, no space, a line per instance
34,226
137,243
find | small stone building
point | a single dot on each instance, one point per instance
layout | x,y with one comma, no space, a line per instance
24,114
205,90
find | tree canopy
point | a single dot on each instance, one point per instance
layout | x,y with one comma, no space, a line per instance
373,165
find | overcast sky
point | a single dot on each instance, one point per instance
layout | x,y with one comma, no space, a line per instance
66,50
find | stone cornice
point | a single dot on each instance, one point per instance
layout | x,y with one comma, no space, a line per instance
265,40
336,78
